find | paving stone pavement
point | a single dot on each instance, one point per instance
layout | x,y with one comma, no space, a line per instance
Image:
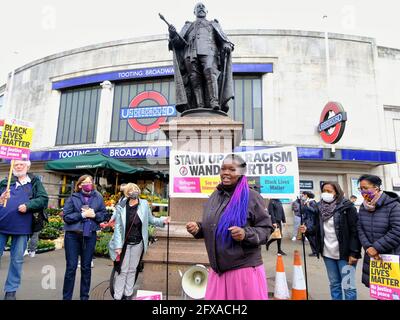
43,275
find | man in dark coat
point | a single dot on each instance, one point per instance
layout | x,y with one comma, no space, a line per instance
378,223
202,64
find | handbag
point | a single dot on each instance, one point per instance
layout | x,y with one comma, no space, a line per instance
276,234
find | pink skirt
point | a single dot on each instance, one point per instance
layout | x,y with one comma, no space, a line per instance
248,283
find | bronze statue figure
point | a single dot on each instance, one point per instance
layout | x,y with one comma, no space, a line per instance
202,64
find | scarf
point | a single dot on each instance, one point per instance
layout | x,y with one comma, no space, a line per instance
327,209
87,223
371,205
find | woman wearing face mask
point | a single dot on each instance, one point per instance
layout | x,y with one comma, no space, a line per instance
130,239
83,212
379,222
337,240
235,224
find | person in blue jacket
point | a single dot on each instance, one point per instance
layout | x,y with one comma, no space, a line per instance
83,213
378,223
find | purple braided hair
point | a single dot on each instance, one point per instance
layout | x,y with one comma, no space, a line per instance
235,213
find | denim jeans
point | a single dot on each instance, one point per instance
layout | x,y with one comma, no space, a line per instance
341,278
33,242
76,245
18,247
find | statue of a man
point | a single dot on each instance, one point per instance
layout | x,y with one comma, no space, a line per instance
202,64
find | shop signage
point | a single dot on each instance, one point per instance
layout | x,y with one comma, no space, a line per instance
153,72
332,122
160,112
306,185
121,153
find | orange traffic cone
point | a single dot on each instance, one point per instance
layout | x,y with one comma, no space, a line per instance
299,284
281,291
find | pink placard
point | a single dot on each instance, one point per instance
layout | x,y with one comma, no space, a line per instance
13,153
187,185
384,293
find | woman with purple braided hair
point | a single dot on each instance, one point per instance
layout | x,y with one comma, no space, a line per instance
235,224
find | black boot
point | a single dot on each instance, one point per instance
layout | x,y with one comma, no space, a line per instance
10,296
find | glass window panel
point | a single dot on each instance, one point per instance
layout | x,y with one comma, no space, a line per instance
77,120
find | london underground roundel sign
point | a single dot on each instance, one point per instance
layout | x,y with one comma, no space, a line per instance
332,122
159,99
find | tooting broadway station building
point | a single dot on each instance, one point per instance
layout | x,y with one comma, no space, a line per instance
81,100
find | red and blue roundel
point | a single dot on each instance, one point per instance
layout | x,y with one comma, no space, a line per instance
160,111
337,121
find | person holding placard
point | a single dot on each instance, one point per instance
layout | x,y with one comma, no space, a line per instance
25,197
378,223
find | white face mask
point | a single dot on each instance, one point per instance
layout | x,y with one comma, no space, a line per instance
327,197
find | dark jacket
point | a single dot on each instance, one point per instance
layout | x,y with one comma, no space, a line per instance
345,221
380,229
276,211
38,198
309,217
246,253
73,214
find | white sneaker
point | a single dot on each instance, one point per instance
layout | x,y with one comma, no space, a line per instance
92,264
294,239
25,253
79,264
32,254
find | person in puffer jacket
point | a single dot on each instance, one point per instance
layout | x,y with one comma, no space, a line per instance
378,223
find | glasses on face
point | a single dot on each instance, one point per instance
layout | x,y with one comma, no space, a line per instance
365,188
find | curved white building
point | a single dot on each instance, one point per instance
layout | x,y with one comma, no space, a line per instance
76,100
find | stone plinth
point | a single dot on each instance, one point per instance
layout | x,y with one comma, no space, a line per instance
216,134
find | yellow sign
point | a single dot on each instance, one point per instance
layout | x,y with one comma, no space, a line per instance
17,136
385,278
208,184
16,139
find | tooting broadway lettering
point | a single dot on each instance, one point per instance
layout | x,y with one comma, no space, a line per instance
258,163
14,136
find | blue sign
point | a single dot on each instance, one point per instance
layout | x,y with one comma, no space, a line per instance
331,122
150,73
148,112
121,153
277,184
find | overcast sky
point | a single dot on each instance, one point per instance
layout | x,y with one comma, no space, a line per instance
32,29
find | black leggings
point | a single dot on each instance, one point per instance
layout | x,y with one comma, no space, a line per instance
279,241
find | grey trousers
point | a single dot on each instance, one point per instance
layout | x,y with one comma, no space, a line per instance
125,281
296,225
33,242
